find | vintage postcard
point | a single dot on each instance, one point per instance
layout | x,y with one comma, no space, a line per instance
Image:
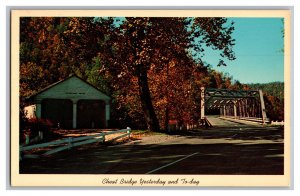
151,98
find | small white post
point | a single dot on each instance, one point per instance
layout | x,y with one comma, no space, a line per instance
128,131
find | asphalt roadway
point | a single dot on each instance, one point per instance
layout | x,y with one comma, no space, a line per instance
227,148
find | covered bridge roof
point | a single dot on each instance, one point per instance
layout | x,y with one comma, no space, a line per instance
72,87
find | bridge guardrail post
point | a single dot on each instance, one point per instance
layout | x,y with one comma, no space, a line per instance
129,132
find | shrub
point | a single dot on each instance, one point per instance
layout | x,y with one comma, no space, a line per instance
35,125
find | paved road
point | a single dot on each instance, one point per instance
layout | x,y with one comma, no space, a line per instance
227,148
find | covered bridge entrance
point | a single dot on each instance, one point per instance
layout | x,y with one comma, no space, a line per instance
73,103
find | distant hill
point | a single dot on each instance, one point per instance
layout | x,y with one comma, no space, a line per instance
275,89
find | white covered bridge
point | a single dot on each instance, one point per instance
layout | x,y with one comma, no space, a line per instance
71,103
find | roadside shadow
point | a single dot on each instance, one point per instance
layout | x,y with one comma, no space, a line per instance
235,133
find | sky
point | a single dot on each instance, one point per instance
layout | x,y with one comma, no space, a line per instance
259,58
258,51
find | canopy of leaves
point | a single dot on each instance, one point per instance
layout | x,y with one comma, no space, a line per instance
125,58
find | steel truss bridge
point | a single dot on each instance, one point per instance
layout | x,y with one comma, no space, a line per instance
237,104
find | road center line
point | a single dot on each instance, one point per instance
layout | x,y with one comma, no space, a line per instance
150,172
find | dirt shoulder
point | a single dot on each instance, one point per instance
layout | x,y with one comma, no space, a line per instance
152,139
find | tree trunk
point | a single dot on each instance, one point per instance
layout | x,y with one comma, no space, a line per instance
167,119
150,116
167,96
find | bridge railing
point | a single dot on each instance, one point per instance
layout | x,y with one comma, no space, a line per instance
68,143
251,119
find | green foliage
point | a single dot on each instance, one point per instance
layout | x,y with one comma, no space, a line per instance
94,76
275,89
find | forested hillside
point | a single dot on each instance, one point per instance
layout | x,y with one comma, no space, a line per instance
274,98
273,88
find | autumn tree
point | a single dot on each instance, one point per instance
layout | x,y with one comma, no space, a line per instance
139,44
52,48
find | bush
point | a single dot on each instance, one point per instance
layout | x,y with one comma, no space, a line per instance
35,125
